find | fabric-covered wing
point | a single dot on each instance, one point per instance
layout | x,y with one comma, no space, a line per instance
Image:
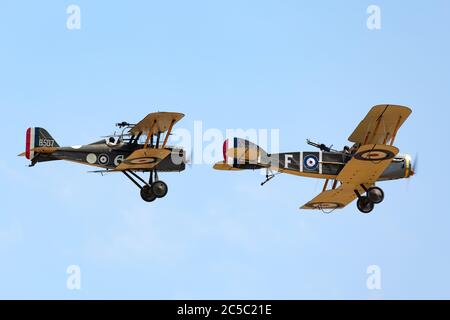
381,124
365,168
143,159
155,123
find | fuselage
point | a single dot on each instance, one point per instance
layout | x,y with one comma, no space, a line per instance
109,155
328,165
320,164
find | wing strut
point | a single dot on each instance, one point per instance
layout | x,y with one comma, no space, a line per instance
149,135
168,133
325,185
397,126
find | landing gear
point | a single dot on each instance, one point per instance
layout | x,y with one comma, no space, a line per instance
269,176
374,195
160,189
150,191
147,194
365,205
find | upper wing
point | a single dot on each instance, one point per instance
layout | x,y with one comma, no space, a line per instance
364,168
381,124
141,159
155,123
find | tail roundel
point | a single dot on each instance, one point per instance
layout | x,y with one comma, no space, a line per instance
37,138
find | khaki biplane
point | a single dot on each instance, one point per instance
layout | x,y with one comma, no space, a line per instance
352,172
140,147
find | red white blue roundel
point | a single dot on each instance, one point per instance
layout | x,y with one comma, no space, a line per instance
103,159
142,160
311,162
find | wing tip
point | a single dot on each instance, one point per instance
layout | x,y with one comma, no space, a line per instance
395,106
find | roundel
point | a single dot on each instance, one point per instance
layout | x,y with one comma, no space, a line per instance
311,162
103,159
142,160
374,155
325,205
91,158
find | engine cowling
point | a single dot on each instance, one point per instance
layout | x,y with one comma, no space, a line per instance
400,168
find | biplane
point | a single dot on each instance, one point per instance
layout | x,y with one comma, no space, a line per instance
349,174
139,148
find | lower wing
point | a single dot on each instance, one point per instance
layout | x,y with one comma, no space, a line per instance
366,166
143,159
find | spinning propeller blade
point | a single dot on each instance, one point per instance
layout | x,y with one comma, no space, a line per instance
414,166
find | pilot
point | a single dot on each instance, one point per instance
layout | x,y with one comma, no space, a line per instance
111,141
354,148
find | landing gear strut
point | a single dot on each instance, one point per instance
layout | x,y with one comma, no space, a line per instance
269,176
152,190
374,195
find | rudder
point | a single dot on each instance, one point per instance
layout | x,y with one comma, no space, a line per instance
36,138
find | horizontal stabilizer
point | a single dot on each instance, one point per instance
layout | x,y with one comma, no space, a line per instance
225,166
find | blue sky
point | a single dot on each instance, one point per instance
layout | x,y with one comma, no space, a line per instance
309,69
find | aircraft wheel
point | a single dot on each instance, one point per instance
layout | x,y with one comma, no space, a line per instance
147,194
365,205
160,189
375,194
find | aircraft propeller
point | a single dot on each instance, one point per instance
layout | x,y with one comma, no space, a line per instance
414,167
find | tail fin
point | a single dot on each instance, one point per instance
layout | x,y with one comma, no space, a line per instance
38,138
243,154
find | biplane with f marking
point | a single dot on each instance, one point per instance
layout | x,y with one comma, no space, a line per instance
139,148
353,171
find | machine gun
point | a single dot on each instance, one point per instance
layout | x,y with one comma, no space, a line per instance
321,146
124,124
